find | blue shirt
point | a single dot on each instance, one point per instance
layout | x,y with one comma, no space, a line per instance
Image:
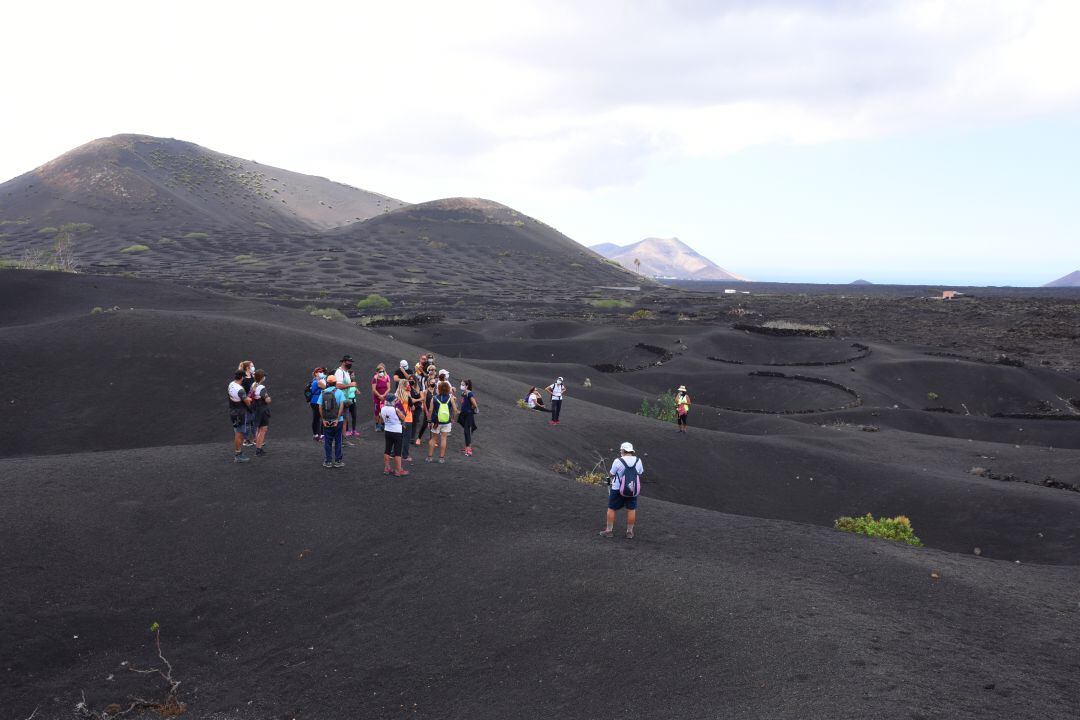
316,391
340,398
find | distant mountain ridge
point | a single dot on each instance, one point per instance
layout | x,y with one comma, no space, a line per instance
665,258
131,180
1070,280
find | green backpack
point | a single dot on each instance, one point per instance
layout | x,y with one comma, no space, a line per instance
442,409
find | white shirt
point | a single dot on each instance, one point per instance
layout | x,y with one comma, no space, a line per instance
343,377
618,470
557,390
390,418
533,396
236,392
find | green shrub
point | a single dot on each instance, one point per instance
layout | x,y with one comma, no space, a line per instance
135,249
610,304
642,315
663,410
76,227
197,236
932,396
48,231
244,258
897,529
374,301
97,310
328,313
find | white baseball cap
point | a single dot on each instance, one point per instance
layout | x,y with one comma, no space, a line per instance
404,364
626,447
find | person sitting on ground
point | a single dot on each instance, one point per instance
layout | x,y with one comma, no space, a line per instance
467,416
332,415
260,403
380,388
239,402
443,410
347,384
392,417
535,401
625,475
682,407
314,393
557,389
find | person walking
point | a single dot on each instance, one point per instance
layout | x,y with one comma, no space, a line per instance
239,402
332,415
392,417
556,389
625,473
380,388
314,393
467,416
260,403
682,408
347,384
443,410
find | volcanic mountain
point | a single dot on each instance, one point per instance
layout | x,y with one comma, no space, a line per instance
130,182
1070,280
665,258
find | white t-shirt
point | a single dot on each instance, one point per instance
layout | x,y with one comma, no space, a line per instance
258,391
391,421
533,397
557,390
618,470
236,392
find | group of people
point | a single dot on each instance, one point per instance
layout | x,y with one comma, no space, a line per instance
404,405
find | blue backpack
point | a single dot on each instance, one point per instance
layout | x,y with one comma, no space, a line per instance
631,483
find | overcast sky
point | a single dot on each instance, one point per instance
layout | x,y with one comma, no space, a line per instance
907,141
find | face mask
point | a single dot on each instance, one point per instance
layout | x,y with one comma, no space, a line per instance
322,376
462,387
381,373
348,366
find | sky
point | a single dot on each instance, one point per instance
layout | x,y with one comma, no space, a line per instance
907,141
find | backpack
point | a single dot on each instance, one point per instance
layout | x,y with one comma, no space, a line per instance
331,407
442,409
307,392
631,484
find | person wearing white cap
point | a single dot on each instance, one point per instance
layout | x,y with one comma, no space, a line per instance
625,474
682,408
557,389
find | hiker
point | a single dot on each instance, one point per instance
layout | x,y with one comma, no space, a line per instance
260,404
332,415
430,387
556,389
421,364
416,398
402,373
380,388
467,416
682,408
625,474
248,368
403,400
313,394
392,416
239,402
347,384
535,401
442,410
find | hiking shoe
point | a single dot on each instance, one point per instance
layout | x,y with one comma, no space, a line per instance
442,460
327,464
248,444
427,459
386,470
403,473
339,463
240,458
316,438
606,533
260,451
629,534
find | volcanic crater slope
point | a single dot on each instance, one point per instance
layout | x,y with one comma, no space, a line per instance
479,588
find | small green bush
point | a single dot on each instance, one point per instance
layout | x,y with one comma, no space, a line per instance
610,304
244,258
76,227
197,236
897,529
328,313
663,410
48,231
374,301
931,396
800,327
97,310
135,249
642,315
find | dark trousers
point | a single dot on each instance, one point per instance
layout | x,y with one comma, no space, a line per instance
332,441
556,408
351,407
407,439
419,412
467,426
316,421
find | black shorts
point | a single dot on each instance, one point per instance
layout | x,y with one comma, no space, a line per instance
395,442
239,417
262,417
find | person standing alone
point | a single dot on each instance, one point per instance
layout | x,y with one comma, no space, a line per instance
625,475
682,407
557,389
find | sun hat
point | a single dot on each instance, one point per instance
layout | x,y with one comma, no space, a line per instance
682,388
626,447
331,380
